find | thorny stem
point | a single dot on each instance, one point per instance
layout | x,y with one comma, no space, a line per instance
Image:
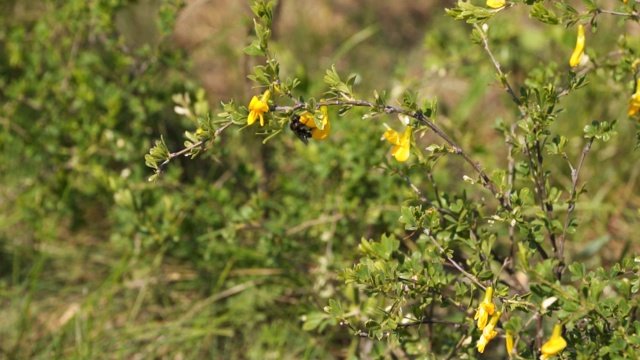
634,15
506,197
545,205
511,179
423,198
415,189
534,175
435,187
503,77
418,115
572,202
196,145
454,263
431,321
458,345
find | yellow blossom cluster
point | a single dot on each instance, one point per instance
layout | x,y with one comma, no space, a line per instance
259,106
487,308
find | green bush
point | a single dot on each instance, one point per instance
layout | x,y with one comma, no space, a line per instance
517,206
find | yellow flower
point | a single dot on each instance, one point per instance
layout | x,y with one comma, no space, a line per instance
509,341
488,332
634,102
317,133
257,108
579,50
485,309
555,344
496,4
401,150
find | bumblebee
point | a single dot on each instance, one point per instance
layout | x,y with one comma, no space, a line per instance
302,131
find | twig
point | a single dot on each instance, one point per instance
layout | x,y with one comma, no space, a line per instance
458,345
634,15
545,205
431,321
503,77
423,198
540,193
572,202
418,115
415,189
454,263
307,224
198,144
511,166
435,188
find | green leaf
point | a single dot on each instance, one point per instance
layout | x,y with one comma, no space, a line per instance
543,14
334,309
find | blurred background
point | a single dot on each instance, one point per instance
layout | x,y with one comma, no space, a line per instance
226,254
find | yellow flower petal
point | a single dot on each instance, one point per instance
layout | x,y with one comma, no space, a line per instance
401,153
482,315
634,102
402,148
392,136
485,309
579,49
257,108
489,332
555,344
309,120
482,342
496,4
509,342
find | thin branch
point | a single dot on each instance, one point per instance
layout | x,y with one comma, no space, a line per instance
431,321
415,189
546,206
503,76
196,145
539,191
572,202
634,15
418,115
458,345
454,263
435,188
511,166
423,198
307,224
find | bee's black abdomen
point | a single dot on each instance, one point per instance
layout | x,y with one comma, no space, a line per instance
302,131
